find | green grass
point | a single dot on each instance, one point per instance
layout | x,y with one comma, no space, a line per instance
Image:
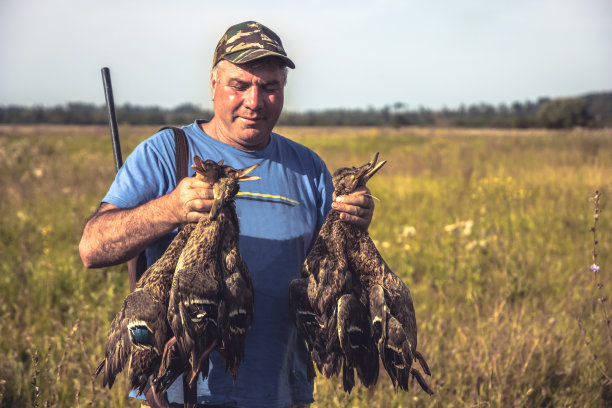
490,230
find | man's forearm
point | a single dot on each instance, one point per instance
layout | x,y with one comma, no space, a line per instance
114,235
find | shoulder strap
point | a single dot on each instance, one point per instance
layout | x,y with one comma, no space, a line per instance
138,264
181,149
182,154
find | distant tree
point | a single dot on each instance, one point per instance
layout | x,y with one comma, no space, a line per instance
503,109
187,108
591,110
600,108
563,113
517,108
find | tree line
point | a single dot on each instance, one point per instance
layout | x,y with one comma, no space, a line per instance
592,110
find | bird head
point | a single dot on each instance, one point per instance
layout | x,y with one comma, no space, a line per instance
347,179
223,178
207,170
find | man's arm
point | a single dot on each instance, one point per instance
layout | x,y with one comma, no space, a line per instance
113,235
356,208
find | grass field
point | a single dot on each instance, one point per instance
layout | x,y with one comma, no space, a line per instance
490,229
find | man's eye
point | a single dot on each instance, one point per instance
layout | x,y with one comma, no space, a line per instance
239,87
271,87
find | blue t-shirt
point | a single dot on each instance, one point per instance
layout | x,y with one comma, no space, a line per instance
280,216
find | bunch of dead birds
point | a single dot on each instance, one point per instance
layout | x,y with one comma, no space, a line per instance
196,298
349,306
351,309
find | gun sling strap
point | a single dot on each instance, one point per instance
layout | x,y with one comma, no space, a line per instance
138,264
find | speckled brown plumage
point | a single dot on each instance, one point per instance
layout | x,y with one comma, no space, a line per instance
136,337
139,331
211,299
348,304
158,277
389,300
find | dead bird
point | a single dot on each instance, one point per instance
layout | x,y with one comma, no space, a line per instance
392,312
357,342
326,277
238,288
139,331
211,299
385,294
344,266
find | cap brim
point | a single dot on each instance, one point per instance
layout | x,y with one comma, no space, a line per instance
242,57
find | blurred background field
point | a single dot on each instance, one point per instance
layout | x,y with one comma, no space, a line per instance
491,230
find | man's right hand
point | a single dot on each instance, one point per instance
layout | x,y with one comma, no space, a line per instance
113,235
193,198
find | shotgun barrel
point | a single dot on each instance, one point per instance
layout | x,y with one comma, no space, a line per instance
138,264
112,118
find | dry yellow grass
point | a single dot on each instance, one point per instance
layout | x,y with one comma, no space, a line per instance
489,228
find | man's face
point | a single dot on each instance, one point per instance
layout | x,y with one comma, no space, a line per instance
248,101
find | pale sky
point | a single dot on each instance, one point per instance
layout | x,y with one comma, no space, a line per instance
348,54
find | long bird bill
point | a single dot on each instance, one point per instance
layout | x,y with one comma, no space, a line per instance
242,174
370,169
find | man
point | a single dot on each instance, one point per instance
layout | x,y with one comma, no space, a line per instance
280,215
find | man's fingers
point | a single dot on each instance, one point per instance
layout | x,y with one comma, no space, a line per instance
360,197
194,199
199,205
349,209
358,221
356,208
195,216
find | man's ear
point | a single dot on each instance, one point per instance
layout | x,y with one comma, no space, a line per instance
213,85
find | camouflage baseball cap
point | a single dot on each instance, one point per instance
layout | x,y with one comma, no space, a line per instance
249,41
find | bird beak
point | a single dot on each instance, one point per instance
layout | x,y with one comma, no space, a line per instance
242,174
374,169
369,169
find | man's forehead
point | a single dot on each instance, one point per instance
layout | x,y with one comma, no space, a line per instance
259,73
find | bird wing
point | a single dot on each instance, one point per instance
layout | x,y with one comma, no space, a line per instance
238,294
358,345
136,334
158,276
193,313
396,356
117,348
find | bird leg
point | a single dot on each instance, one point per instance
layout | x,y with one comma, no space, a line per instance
203,356
423,363
169,345
156,400
416,374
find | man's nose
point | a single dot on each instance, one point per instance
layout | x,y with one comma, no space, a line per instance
253,98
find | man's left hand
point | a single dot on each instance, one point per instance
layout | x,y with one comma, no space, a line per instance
356,208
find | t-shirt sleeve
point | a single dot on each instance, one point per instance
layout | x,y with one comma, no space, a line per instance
326,190
148,173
